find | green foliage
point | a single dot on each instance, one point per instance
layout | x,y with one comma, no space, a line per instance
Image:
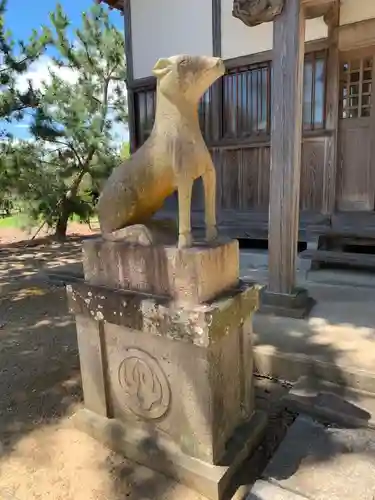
60,172
125,151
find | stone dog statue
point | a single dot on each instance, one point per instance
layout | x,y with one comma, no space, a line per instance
254,12
173,156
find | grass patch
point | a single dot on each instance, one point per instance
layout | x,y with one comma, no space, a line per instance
21,221
17,221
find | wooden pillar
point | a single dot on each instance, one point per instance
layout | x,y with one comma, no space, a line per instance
286,140
130,75
332,109
216,89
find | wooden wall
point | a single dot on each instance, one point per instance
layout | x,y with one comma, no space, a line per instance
243,189
243,177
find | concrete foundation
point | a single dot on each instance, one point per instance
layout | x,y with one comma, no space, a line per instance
336,343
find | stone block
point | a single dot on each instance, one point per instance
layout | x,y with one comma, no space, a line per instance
191,276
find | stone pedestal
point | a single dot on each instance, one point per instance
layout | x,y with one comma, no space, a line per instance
191,275
167,376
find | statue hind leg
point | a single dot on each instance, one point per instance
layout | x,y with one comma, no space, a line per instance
184,187
209,184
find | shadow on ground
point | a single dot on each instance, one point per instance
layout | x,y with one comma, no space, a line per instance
29,262
342,314
39,363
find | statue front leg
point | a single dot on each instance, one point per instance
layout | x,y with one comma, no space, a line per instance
209,183
184,187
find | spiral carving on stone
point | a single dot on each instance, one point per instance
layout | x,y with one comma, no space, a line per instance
147,391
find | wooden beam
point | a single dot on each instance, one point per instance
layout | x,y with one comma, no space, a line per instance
130,74
286,138
128,41
306,4
216,28
332,110
317,8
144,83
357,35
216,90
372,134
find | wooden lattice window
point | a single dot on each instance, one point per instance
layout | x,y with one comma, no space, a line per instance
314,87
246,101
356,87
145,104
205,114
243,108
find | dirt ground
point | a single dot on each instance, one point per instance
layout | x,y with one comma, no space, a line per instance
9,235
42,456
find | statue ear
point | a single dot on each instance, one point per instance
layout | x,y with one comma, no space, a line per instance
161,68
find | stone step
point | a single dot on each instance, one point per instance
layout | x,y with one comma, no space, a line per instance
365,232
290,366
264,490
348,258
318,462
332,403
348,277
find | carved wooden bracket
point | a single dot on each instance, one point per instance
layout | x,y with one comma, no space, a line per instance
254,12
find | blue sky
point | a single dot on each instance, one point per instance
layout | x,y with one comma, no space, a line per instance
21,21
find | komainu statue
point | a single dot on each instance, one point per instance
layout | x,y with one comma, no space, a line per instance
173,156
254,12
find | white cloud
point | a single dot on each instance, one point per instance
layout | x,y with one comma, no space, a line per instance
21,125
39,73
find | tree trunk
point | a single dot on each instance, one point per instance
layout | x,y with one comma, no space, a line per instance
62,223
66,207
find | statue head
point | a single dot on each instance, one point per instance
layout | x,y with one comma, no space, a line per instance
186,78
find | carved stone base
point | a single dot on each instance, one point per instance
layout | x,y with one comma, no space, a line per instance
212,481
187,371
181,374
297,305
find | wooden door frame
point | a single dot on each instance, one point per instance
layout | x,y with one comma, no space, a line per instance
372,128
351,54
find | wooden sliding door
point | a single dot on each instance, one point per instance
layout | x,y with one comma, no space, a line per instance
356,187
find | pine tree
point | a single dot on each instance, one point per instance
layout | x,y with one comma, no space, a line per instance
74,122
15,60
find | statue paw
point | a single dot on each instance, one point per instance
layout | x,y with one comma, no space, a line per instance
211,233
185,240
